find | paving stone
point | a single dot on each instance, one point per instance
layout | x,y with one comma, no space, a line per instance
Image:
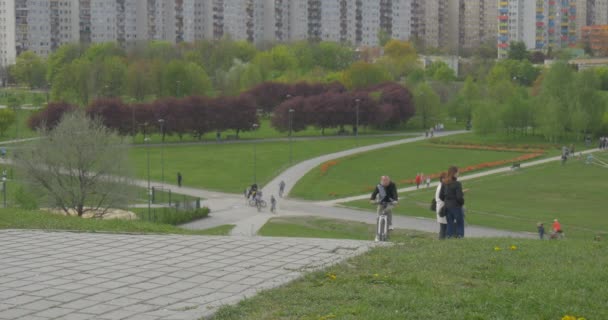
147,277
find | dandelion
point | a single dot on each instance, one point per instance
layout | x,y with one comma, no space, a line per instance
331,276
497,249
376,275
513,247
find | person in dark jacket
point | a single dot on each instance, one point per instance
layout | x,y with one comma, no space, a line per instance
386,191
453,196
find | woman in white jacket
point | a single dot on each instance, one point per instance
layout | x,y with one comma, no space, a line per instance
443,222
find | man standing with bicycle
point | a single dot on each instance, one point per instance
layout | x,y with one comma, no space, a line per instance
386,192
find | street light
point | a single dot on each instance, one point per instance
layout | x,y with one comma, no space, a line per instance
147,142
291,112
255,152
4,188
162,150
357,102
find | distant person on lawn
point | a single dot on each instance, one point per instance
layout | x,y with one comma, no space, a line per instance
453,196
179,179
418,180
541,230
281,188
428,181
443,222
557,230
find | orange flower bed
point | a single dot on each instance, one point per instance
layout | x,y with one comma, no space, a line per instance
489,148
484,165
327,165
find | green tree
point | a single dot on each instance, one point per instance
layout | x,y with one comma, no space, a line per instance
440,71
7,119
332,56
517,51
185,78
362,74
486,117
62,57
383,37
114,77
138,80
462,107
30,70
427,104
74,83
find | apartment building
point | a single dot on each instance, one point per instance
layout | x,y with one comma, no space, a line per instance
596,37
430,24
478,22
7,33
540,24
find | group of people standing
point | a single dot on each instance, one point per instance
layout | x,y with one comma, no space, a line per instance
420,179
449,198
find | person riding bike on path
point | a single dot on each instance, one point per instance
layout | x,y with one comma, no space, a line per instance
387,190
252,190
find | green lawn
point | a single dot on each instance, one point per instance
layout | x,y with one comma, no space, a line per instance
429,279
314,227
229,167
575,194
357,174
22,219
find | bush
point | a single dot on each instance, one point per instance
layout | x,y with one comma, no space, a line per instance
172,216
25,200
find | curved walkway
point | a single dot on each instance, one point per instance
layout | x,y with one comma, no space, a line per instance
292,175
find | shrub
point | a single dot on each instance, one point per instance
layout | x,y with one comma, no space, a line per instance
172,216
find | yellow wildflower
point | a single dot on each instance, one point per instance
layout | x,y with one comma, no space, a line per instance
376,275
497,249
513,247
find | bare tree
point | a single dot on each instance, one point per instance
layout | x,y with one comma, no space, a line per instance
80,165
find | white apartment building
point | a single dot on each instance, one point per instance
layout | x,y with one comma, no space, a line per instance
7,33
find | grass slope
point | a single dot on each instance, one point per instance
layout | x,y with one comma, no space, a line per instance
575,194
314,227
229,167
357,174
21,219
463,279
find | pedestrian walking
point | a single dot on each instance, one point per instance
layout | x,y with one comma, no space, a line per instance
273,204
432,132
428,181
179,179
541,230
281,188
418,180
453,196
426,134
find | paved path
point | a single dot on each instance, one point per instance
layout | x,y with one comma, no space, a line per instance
462,178
293,174
69,276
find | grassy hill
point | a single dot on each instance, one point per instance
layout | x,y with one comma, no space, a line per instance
460,279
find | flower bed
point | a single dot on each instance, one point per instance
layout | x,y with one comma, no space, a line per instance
490,148
525,147
327,165
484,165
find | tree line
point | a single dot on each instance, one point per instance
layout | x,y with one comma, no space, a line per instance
560,103
321,105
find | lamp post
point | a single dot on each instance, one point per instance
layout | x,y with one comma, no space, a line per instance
147,141
133,118
255,152
291,112
357,103
162,150
4,189
179,83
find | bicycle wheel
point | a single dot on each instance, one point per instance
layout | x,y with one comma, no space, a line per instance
383,228
252,202
263,203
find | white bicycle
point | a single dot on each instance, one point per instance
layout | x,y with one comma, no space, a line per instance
382,227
